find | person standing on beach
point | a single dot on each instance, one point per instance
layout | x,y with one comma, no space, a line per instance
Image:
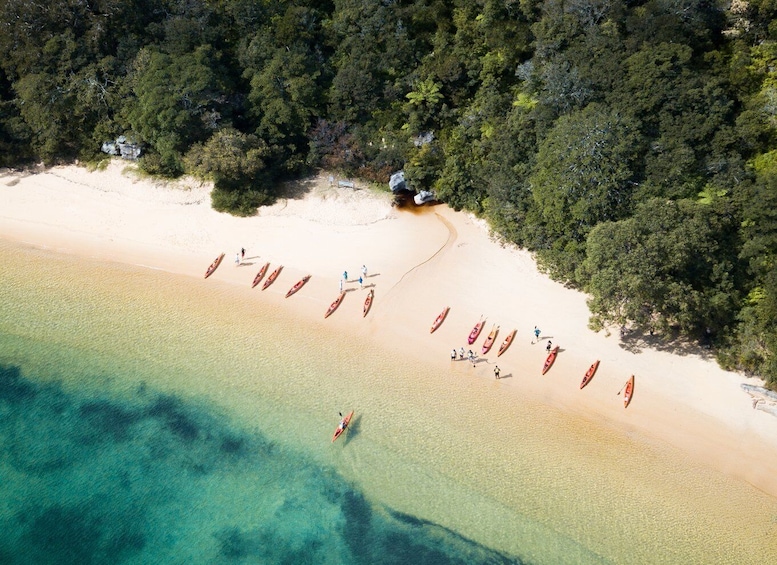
471,357
361,282
341,285
536,334
364,271
237,259
345,276
496,372
242,253
461,353
453,354
547,347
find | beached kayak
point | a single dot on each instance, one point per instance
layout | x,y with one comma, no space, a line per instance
368,302
550,359
272,277
589,374
506,343
629,392
342,426
335,304
439,319
259,275
473,335
490,339
214,266
298,285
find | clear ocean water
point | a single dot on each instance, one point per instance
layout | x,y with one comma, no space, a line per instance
150,418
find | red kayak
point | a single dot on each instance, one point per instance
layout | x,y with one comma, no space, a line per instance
550,359
368,302
259,275
506,343
589,374
628,393
342,426
439,319
214,266
473,335
335,304
272,277
490,339
298,285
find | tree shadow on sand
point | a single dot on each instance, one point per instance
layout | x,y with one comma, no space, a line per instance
636,341
298,189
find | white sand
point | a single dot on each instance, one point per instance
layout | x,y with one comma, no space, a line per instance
418,263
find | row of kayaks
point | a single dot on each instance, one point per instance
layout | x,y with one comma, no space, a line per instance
475,333
298,285
628,388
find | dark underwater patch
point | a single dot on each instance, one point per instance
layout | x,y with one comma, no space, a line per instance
61,534
105,417
13,389
110,480
170,411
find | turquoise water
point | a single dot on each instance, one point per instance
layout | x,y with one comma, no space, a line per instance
149,478
151,418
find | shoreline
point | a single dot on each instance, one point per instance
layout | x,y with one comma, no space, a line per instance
418,263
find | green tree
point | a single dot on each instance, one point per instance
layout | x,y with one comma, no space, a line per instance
176,103
236,162
670,264
583,176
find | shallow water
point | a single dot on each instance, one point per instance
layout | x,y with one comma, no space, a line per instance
147,417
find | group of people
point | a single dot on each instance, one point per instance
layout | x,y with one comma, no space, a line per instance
537,333
471,358
361,278
239,256
471,354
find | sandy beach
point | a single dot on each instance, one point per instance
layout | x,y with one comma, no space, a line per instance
418,262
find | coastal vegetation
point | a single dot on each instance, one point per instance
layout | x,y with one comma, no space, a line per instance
631,145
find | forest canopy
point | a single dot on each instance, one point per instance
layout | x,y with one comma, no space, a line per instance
629,144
